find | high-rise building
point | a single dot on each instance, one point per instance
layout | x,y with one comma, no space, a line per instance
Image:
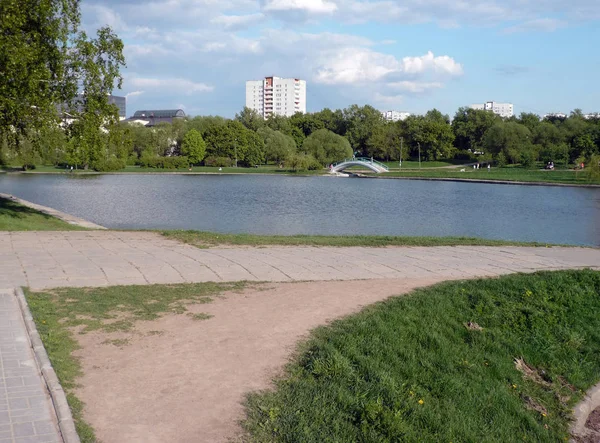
502,109
276,96
394,116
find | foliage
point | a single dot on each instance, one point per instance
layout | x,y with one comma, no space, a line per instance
193,147
218,161
164,162
278,146
508,138
495,360
302,162
45,59
327,147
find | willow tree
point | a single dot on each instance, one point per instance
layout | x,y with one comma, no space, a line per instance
45,60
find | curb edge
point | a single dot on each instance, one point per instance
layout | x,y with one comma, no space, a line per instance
57,394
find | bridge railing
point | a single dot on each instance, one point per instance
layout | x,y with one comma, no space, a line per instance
363,160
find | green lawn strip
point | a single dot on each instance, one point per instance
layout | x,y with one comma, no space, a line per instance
208,239
413,368
59,311
508,174
16,217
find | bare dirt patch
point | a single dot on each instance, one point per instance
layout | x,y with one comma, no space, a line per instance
187,383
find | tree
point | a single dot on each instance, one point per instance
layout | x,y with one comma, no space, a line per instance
250,118
470,125
44,61
327,147
277,146
255,150
34,64
361,123
193,146
386,141
511,139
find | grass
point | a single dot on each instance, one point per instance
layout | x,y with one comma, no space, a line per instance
58,313
507,174
16,217
497,360
208,239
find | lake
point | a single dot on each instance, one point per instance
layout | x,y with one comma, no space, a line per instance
320,205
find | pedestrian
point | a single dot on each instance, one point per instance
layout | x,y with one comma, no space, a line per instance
489,167
71,169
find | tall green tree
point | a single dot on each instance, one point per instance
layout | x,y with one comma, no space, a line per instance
193,146
361,123
327,147
469,127
508,139
250,118
277,146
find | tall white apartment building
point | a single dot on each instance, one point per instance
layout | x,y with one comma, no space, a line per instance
394,116
502,109
276,96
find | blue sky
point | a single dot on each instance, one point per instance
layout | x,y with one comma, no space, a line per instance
406,55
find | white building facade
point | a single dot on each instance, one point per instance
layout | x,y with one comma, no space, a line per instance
394,116
276,96
501,109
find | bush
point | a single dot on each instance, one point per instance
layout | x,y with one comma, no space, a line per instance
222,162
164,162
528,158
501,159
302,162
112,164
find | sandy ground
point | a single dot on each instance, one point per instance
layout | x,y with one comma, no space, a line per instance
184,380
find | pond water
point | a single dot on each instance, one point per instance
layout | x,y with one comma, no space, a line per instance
320,205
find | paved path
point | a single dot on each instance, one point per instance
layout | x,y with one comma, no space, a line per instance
26,412
103,258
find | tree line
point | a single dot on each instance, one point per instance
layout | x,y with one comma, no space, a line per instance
314,140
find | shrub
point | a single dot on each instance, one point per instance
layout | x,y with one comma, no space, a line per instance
164,162
112,164
218,161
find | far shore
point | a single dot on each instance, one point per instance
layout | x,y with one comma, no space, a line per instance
355,174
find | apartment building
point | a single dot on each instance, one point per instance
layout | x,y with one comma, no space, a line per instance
394,116
276,96
501,109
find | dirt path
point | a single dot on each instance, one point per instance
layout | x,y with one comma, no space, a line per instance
184,380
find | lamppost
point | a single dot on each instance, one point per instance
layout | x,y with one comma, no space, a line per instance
401,141
235,150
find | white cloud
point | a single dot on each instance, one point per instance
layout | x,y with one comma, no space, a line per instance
354,65
428,62
133,94
388,100
361,65
415,87
238,21
309,6
540,24
168,84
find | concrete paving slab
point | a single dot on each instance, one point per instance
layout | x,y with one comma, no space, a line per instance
102,258
26,411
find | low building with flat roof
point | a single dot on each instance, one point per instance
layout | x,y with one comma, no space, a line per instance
154,117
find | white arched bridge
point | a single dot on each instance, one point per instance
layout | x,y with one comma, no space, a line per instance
369,163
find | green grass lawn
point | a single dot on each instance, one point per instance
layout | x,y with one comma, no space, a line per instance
208,239
116,308
510,174
439,365
16,217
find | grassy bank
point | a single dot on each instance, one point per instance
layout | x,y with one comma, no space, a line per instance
16,217
111,309
508,174
486,360
209,239
432,170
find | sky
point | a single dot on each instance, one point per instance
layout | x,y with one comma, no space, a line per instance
404,55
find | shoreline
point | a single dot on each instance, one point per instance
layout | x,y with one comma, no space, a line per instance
67,218
291,174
